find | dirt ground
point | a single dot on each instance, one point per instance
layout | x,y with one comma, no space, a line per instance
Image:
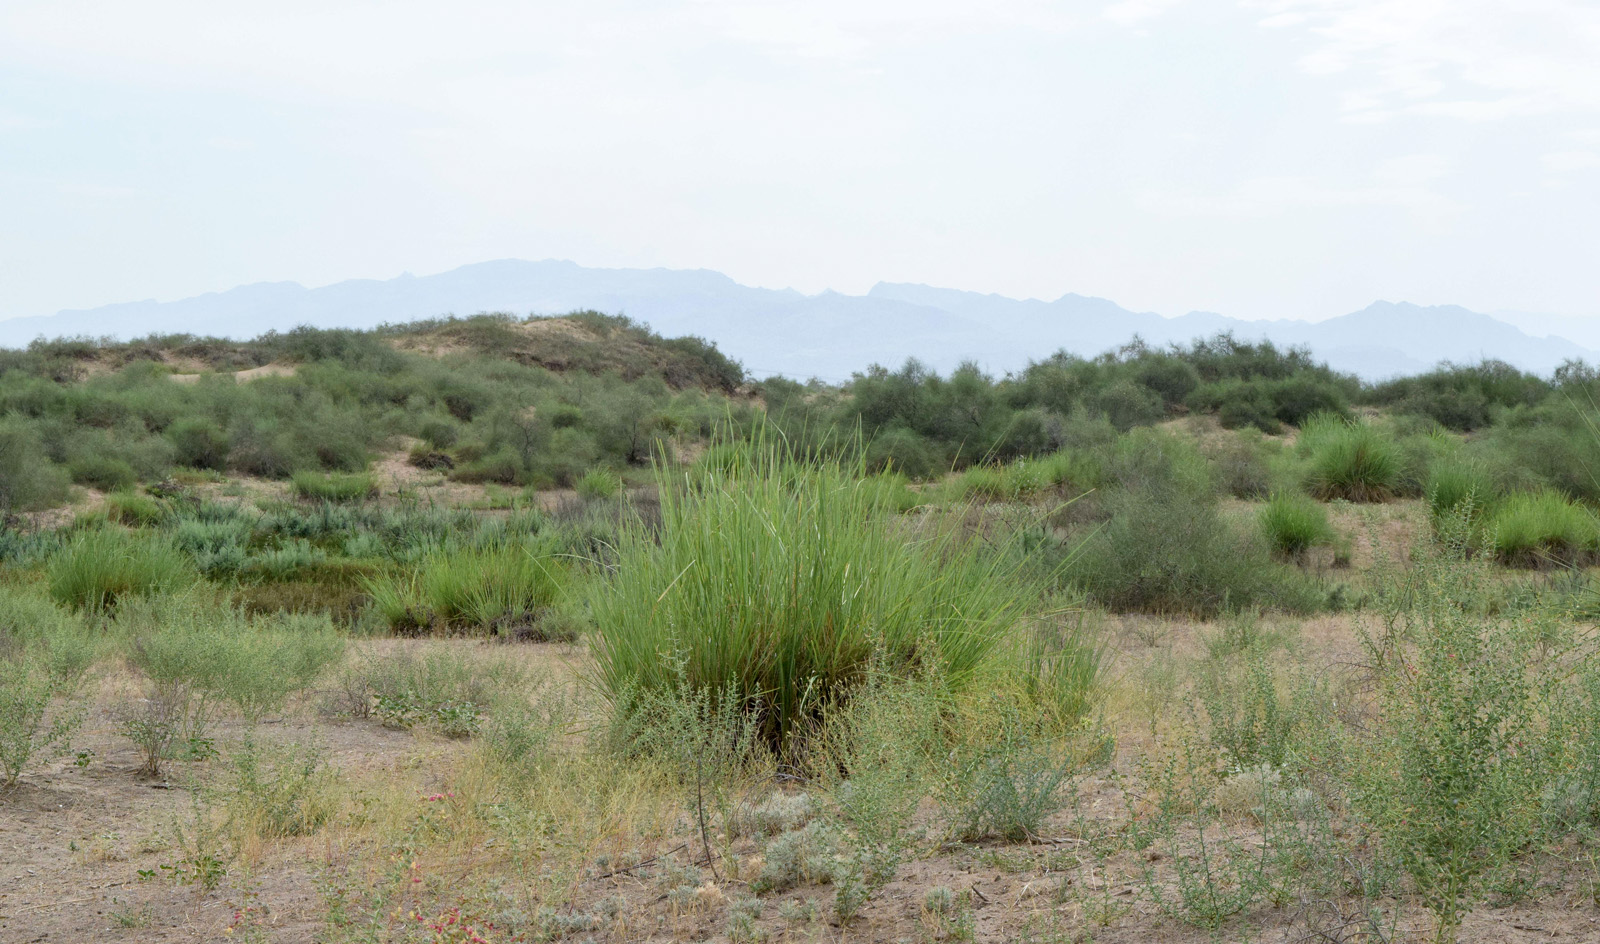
88,853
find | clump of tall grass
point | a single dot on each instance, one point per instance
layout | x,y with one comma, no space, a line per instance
777,583
1024,478
1453,485
1529,529
334,486
100,567
472,587
599,483
1350,460
1294,524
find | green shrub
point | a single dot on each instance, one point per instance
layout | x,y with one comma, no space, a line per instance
1006,782
275,792
216,653
334,487
199,444
1293,524
780,582
1350,460
600,483
1167,549
106,473
28,480
902,450
1527,530
99,568
44,654
1468,736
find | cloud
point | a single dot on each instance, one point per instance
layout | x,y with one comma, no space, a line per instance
1137,12
1473,60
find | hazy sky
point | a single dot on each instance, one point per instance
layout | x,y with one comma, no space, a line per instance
1262,158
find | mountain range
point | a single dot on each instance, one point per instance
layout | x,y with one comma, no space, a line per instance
827,335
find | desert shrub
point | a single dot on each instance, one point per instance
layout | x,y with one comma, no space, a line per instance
875,758
435,689
199,444
1006,782
1466,741
276,791
1350,460
1292,524
779,582
1242,466
28,480
1540,528
99,568
440,434
904,451
106,473
334,487
1127,404
1167,549
1251,721
212,654
44,654
599,483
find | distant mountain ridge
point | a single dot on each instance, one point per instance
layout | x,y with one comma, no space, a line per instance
828,335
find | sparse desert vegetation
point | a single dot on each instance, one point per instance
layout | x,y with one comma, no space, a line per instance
498,630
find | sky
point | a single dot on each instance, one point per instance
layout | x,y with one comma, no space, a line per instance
1259,158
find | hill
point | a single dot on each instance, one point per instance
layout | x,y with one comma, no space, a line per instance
828,335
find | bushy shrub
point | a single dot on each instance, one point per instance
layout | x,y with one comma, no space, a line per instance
781,582
99,568
904,451
1355,461
1467,740
199,444
44,654
1166,547
1294,523
28,479
106,473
